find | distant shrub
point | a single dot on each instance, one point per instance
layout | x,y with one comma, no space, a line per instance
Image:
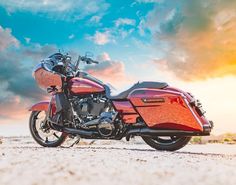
196,140
229,138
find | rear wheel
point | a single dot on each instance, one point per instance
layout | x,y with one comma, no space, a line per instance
42,133
168,143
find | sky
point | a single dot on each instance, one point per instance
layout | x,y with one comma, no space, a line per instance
188,44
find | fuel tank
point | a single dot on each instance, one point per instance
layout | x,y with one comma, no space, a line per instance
79,85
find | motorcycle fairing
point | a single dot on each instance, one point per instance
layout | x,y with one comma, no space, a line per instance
46,78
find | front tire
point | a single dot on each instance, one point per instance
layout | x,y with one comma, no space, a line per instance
42,133
166,143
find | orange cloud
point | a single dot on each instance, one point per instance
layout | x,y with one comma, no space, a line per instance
13,108
205,52
7,39
110,71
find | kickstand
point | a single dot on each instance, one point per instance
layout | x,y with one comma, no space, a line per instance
76,141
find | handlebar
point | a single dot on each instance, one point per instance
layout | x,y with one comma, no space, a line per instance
69,67
88,60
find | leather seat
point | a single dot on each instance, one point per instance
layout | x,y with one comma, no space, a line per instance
124,94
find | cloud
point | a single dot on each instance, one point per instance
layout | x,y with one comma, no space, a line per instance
27,40
124,21
18,76
149,1
7,39
104,57
57,9
101,38
109,71
197,38
110,35
95,19
18,88
71,36
13,107
141,27
38,52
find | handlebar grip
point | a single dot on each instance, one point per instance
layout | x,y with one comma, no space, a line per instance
95,62
89,60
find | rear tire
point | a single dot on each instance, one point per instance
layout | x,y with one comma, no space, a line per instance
35,132
168,145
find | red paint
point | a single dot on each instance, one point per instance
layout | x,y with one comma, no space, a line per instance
123,107
174,113
180,91
41,106
130,118
203,120
84,86
47,79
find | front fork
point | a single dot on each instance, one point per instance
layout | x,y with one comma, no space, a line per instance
59,109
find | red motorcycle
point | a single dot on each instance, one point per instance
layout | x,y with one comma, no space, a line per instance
82,106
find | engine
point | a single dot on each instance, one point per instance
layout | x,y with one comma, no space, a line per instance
106,125
89,106
96,114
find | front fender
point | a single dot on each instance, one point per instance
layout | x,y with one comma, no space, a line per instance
41,106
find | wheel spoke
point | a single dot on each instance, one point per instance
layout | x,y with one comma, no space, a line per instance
43,132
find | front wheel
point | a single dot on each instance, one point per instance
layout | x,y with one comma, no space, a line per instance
42,133
168,143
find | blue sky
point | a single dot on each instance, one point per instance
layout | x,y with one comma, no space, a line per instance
189,44
30,23
47,28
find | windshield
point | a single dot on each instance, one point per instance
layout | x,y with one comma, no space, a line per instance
52,62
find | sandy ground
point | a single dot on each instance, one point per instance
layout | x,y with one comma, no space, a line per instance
24,162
